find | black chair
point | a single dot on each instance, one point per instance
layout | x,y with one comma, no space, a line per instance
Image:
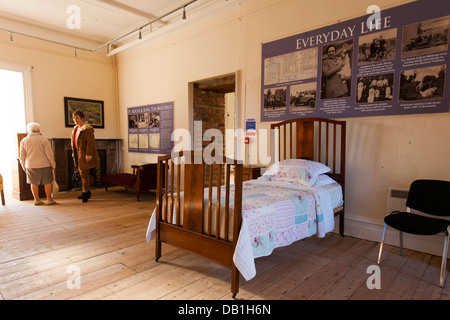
431,197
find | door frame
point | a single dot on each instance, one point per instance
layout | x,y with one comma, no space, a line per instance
237,81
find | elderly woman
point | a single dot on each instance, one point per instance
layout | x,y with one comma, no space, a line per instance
37,160
84,153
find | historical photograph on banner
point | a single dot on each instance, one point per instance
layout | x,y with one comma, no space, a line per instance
425,37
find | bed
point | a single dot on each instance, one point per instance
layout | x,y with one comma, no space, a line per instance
298,196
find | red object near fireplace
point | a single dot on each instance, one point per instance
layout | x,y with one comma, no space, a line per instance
143,178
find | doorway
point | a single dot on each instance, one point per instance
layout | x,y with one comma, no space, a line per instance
214,105
12,107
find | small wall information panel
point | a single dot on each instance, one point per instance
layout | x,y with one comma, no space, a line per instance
150,128
390,62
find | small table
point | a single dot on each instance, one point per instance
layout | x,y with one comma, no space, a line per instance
251,172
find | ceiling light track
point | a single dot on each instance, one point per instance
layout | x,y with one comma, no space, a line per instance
147,24
11,33
109,43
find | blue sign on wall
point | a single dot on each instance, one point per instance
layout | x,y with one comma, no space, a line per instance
150,128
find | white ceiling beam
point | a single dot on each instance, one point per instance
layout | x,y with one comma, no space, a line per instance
125,7
192,18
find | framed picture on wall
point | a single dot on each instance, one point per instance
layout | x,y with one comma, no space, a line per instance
92,109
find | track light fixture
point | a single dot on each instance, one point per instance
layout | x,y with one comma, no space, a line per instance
108,44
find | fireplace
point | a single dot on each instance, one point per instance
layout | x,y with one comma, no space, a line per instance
108,151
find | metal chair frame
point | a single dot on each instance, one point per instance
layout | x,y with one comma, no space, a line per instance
445,249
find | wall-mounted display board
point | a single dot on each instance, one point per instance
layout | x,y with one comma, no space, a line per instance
389,62
150,128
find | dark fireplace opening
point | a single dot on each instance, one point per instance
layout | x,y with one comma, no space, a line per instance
96,174
108,151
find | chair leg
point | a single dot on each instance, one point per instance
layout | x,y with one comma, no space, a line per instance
444,262
383,236
401,243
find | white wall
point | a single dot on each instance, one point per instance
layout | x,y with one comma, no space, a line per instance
161,71
382,152
56,73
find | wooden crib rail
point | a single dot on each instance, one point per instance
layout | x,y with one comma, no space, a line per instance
189,208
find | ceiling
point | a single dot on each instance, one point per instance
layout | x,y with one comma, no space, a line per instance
108,25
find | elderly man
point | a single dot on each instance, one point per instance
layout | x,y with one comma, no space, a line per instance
37,160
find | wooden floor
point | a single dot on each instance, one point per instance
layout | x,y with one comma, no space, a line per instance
43,247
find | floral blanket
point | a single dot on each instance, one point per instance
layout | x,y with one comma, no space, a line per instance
275,214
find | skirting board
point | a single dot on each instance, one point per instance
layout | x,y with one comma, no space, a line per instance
368,229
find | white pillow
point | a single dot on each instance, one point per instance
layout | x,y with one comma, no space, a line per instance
296,171
324,180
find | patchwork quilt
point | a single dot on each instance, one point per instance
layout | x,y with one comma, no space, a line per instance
274,214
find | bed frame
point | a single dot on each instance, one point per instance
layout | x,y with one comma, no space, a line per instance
308,138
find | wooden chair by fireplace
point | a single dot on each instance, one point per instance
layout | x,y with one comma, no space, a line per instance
143,178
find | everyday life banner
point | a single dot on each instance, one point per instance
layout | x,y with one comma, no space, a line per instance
389,62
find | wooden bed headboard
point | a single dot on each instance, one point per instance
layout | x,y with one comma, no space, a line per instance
317,139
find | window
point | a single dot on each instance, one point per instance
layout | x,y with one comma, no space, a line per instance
15,107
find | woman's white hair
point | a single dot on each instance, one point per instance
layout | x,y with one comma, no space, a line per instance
33,127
